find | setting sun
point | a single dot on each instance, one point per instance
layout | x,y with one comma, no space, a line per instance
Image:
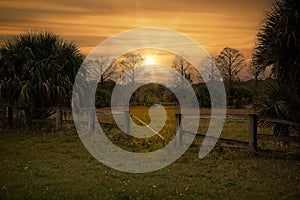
149,60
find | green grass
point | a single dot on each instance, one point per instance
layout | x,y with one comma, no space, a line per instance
36,164
233,129
53,166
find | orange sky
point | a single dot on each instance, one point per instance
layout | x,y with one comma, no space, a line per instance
215,24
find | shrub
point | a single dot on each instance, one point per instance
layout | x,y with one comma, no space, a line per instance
102,98
239,97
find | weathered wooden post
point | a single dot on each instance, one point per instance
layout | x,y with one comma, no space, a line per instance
178,129
252,133
2,114
10,113
91,122
58,118
127,121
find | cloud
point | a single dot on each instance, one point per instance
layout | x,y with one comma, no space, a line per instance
214,24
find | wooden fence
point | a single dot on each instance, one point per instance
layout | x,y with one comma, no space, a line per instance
3,112
253,135
91,120
253,120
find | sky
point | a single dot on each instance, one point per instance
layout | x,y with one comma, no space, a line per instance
214,24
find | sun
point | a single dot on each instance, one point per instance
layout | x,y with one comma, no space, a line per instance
149,60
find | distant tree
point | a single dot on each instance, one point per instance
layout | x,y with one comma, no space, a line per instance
183,67
105,67
37,70
230,62
278,47
208,65
257,74
187,74
129,63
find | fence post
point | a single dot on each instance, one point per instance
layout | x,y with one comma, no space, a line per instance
58,118
91,115
2,115
178,130
10,112
127,121
252,133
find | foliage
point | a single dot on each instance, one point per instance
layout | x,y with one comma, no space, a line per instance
239,97
278,47
37,70
152,93
276,103
278,42
102,98
203,97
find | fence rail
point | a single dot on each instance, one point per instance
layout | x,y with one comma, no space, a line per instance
253,121
253,135
90,121
223,140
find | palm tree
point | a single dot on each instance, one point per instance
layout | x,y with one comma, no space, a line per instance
278,46
37,70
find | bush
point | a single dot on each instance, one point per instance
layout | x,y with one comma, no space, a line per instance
203,96
239,97
215,92
103,98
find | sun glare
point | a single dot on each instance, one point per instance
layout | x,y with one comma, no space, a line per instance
149,60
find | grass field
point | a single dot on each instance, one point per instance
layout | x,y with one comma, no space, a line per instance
42,165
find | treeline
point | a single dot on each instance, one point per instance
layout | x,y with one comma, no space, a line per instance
224,68
149,94
38,69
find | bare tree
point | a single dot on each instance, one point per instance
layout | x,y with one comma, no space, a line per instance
209,68
230,62
129,63
100,69
183,67
105,67
186,72
255,72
